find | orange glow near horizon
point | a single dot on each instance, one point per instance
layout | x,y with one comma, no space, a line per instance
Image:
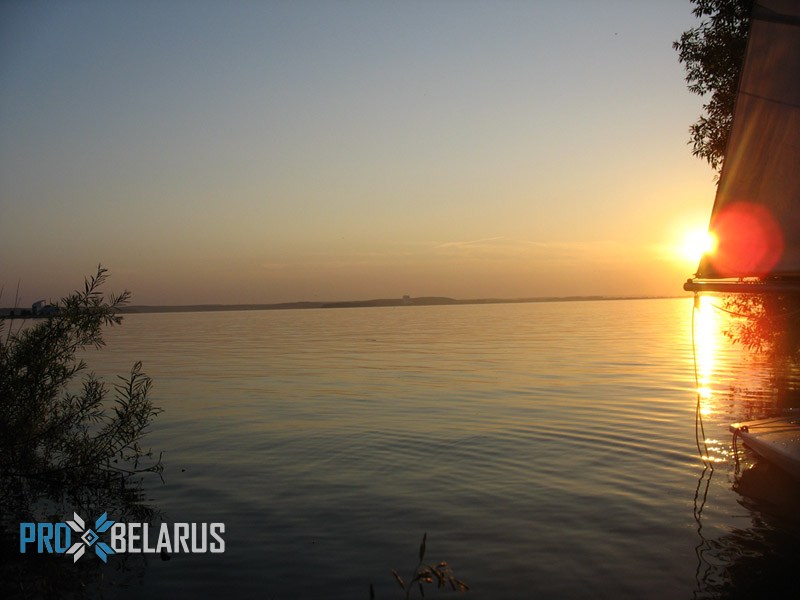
312,173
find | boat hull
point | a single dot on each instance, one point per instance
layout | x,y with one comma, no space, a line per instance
776,440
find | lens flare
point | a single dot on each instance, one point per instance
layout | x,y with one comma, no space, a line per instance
750,240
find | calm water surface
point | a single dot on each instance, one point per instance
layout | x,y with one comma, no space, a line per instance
547,449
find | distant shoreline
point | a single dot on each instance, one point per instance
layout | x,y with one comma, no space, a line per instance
381,302
384,302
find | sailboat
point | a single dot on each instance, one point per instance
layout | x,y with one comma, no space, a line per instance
756,214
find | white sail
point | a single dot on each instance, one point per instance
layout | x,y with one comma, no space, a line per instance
756,214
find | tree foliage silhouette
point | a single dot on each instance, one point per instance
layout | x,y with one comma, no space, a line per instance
57,432
68,442
712,54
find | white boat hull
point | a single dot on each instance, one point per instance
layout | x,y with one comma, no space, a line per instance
776,440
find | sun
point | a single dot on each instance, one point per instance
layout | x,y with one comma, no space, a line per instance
696,243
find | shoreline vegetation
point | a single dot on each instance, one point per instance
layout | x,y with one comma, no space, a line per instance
405,301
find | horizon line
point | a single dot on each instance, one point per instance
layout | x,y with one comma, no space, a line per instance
377,302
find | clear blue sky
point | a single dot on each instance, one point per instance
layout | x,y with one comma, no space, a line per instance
252,151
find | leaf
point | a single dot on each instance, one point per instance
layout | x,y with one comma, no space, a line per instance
422,546
399,579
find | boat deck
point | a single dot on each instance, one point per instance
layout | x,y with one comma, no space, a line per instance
776,439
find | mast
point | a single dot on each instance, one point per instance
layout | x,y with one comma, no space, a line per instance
756,213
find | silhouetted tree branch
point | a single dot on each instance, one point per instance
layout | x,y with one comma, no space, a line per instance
713,53
49,431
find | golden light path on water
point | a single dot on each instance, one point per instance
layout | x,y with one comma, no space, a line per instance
706,344
707,341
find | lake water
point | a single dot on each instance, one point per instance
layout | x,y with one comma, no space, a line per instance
547,449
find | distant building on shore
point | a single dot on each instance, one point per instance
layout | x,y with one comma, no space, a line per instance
41,308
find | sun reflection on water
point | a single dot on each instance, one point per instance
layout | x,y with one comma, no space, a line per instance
707,334
733,383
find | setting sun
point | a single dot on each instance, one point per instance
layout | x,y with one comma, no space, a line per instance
696,243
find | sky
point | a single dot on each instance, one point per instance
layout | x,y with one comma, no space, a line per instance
246,151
